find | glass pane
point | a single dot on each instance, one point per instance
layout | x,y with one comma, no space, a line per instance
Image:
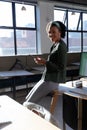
73,19
5,14
65,39
74,42
79,28
85,41
6,42
25,18
26,42
84,21
59,15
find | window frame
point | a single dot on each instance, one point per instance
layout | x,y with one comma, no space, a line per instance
77,30
14,28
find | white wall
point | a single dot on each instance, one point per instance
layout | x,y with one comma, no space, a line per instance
46,15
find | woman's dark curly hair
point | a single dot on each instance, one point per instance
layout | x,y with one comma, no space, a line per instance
59,25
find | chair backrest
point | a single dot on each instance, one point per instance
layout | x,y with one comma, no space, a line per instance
17,65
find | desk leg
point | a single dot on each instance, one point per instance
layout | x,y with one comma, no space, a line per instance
27,84
79,114
14,89
64,125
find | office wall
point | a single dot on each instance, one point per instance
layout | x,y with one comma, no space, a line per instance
7,62
46,15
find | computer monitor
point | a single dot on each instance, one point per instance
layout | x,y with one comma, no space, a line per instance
83,65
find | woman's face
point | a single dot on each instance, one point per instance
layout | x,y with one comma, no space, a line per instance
54,34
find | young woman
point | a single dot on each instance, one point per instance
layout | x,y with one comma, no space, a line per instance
55,65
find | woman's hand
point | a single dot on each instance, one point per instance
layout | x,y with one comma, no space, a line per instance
40,61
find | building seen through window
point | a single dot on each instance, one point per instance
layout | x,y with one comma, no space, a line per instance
17,29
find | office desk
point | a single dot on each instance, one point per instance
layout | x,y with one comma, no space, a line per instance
13,75
71,70
20,117
80,94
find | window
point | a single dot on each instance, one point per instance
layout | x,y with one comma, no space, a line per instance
76,23
17,29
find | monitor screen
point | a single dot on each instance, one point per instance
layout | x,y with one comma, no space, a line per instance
83,64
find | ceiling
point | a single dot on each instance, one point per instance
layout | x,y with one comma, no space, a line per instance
83,2
69,1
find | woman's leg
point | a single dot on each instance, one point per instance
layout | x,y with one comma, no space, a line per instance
40,90
31,93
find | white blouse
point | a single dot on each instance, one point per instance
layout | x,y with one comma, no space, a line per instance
56,47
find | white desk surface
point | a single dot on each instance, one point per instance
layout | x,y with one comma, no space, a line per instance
14,73
21,117
70,88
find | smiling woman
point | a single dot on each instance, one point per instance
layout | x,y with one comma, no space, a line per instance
55,65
